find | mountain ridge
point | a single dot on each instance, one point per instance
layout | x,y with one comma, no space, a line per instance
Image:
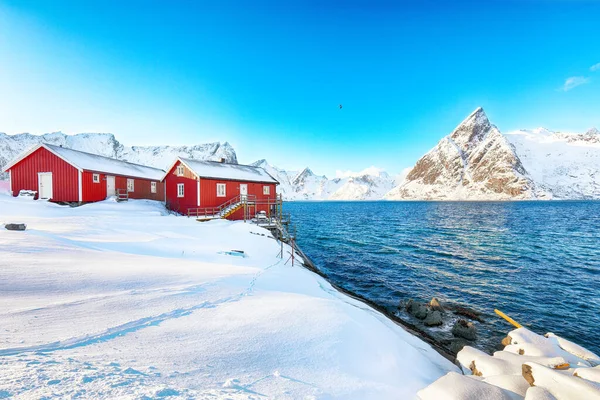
474,162
106,144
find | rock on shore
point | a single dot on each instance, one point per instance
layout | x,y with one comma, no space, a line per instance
531,367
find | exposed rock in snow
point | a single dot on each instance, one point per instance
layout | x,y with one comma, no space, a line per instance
105,144
474,162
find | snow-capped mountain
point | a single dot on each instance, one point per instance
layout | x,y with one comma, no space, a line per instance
564,165
107,145
474,162
477,162
370,184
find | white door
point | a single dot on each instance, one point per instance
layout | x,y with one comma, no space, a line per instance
243,190
45,185
110,186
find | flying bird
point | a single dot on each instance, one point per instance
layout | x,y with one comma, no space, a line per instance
340,106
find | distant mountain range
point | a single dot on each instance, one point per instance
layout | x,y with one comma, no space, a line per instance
370,184
474,162
105,144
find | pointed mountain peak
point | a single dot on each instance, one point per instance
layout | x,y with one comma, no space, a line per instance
306,172
260,163
593,131
472,130
477,116
302,175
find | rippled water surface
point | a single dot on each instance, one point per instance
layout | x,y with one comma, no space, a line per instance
537,261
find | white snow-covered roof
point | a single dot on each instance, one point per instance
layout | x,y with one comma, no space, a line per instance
236,172
96,163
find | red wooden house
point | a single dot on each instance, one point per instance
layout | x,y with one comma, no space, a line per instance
218,189
64,175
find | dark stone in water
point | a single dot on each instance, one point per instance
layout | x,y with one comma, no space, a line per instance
467,312
434,318
15,227
464,329
416,309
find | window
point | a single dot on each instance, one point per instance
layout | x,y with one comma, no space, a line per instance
180,190
267,190
96,178
221,190
180,170
130,186
152,187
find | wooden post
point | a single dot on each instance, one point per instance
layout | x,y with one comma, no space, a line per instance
508,319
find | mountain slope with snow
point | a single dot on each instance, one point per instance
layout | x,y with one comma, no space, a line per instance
369,184
105,144
474,162
565,165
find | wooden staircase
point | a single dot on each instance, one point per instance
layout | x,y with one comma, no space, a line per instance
122,194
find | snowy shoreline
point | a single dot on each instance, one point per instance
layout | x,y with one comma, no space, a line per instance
121,300
410,328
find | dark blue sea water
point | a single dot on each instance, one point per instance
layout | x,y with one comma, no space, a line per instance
537,261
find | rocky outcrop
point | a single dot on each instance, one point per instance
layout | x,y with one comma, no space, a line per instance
15,227
464,329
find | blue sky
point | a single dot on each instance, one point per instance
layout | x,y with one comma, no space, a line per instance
268,76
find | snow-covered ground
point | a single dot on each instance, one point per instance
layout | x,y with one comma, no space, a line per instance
120,300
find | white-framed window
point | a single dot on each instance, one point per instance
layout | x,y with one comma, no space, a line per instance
180,170
180,190
267,190
130,185
96,178
221,190
152,187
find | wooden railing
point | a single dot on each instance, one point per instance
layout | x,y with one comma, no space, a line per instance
224,209
122,194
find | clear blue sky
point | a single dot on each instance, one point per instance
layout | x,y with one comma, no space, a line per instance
268,76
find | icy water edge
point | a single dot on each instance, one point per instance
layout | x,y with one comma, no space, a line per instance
537,261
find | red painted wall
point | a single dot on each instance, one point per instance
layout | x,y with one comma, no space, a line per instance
181,204
93,191
208,191
65,177
141,188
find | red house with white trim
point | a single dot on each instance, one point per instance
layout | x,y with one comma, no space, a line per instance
202,187
64,175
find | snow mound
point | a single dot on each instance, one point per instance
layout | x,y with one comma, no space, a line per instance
554,368
454,386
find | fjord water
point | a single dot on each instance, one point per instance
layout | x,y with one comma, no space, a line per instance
537,261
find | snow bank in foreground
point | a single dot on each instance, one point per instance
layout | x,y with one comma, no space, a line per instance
121,300
531,366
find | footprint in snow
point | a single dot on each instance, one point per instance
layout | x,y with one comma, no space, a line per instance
167,393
